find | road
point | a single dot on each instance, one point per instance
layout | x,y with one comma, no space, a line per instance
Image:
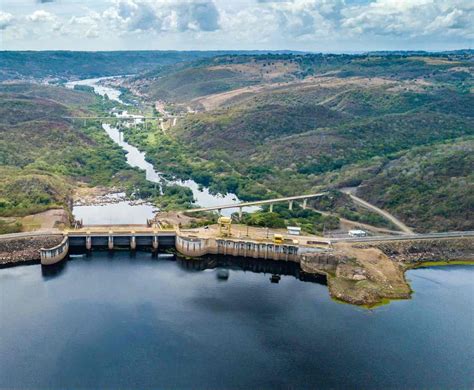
38,233
263,234
423,236
404,228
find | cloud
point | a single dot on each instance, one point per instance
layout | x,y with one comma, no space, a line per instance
163,15
305,17
88,25
41,16
411,17
265,24
5,20
198,15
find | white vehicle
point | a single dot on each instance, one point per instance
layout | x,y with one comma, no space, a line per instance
357,233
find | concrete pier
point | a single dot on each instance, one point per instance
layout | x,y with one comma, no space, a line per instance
50,256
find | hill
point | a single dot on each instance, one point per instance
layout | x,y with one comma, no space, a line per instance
43,155
187,81
428,187
78,64
302,127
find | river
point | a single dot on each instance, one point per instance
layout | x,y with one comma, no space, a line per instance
127,212
142,323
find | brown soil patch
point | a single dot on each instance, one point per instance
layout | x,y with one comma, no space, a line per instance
47,220
214,101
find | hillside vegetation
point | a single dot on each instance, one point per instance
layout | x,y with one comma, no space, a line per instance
79,64
316,120
43,155
66,64
428,187
189,80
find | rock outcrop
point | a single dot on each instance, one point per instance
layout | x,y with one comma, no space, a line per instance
413,252
371,273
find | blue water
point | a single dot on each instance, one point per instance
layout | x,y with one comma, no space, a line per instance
143,323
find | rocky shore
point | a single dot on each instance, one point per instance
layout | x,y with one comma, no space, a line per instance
411,253
371,274
99,196
25,249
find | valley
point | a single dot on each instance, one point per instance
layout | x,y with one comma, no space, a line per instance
213,133
312,122
258,194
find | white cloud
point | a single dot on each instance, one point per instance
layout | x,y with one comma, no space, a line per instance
204,24
308,17
163,15
41,16
88,25
411,17
5,20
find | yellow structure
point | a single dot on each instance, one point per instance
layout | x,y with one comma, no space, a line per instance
224,226
278,239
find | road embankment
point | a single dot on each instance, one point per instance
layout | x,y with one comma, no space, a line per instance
25,248
370,274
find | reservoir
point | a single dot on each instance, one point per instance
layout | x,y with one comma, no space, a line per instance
121,321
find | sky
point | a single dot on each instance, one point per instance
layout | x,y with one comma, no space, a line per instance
308,25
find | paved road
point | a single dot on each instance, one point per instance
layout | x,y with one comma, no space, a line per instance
31,234
425,236
404,228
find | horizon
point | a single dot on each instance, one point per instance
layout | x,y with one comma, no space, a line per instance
280,51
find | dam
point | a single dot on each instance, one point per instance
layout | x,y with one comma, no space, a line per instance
191,243
150,239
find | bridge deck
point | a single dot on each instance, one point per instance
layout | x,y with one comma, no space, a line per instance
113,117
256,203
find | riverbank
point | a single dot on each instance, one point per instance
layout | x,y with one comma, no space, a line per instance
371,274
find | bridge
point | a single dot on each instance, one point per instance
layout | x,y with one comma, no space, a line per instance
271,202
145,119
124,118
